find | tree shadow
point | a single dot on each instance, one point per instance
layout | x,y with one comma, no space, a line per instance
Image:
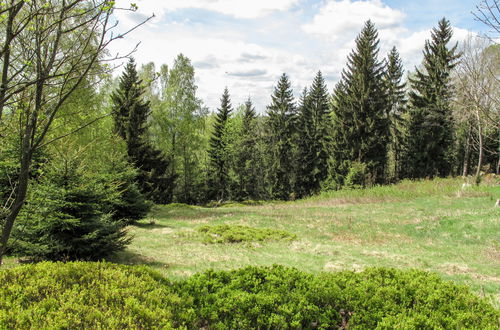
133,259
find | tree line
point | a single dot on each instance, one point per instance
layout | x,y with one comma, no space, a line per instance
375,128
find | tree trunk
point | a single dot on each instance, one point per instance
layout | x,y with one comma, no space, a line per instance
467,153
21,191
480,158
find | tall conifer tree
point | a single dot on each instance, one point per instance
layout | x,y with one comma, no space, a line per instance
131,114
396,98
248,165
361,126
429,139
281,129
313,138
218,181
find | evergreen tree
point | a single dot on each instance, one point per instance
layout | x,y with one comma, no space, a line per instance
281,129
361,127
219,180
396,98
248,161
313,138
429,139
131,123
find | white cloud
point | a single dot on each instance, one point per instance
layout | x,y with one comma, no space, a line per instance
344,19
236,8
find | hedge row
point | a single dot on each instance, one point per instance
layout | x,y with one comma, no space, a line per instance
104,295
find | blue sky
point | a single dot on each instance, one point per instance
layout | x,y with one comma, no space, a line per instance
246,45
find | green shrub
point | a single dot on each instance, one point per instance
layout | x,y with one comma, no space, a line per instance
103,295
84,295
279,297
356,177
65,219
238,234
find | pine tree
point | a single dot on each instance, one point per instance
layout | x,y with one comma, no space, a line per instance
248,162
131,123
361,127
313,138
281,128
429,139
396,98
219,180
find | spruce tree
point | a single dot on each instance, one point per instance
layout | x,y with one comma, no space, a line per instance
313,138
248,162
361,127
131,114
396,98
219,178
281,128
429,139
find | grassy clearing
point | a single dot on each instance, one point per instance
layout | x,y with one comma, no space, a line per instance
430,225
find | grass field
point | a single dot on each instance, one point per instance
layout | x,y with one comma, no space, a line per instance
437,225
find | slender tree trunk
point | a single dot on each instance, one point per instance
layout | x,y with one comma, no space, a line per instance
480,158
467,153
21,191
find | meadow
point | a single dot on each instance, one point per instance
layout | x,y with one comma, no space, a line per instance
442,226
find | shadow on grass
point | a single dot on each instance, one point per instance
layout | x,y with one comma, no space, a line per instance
148,225
132,258
188,212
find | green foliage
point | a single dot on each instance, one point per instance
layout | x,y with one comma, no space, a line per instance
356,177
178,122
313,138
279,297
281,128
218,151
87,296
131,115
429,138
66,218
239,234
361,126
248,159
103,295
396,96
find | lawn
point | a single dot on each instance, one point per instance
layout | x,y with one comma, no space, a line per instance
437,225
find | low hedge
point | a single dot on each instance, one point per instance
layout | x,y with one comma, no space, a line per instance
103,295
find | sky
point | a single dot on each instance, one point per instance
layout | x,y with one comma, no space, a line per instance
247,44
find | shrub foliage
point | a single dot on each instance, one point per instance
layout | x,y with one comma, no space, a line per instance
239,234
103,295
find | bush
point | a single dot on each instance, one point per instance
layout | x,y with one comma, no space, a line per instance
238,234
103,295
128,203
85,296
356,177
279,297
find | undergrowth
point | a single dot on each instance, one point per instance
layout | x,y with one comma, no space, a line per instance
239,234
103,295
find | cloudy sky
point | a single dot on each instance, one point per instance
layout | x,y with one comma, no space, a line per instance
246,44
